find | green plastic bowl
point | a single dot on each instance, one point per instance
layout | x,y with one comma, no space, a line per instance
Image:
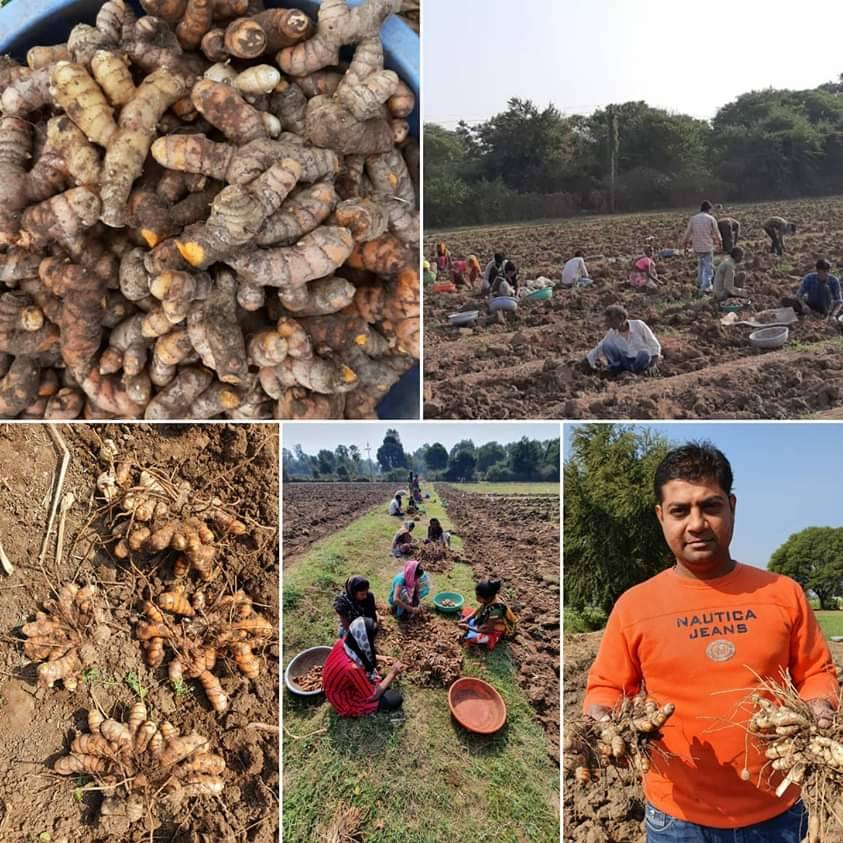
732,308
545,294
458,599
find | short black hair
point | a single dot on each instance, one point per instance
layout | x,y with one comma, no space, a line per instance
694,461
823,264
487,588
706,206
737,253
579,253
498,257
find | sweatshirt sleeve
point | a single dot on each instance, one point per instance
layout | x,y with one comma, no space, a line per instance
811,666
615,672
653,345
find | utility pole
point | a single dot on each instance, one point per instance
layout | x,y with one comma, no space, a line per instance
613,153
368,451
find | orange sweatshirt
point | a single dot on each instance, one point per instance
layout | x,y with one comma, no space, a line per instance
695,643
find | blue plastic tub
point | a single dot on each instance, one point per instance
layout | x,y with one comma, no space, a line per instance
29,23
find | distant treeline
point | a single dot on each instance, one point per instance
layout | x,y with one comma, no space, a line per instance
527,163
527,460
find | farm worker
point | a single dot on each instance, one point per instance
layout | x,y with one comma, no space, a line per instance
443,257
473,270
776,228
350,675
356,601
629,344
429,275
506,283
575,271
402,541
410,480
491,272
730,230
643,272
395,504
820,290
725,282
436,535
408,588
702,635
491,621
703,236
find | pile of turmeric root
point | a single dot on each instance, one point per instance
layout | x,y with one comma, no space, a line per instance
626,740
190,618
141,767
206,212
804,753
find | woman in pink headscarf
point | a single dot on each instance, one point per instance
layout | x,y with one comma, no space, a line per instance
408,588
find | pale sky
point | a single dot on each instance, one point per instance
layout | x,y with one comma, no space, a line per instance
787,477
314,437
581,56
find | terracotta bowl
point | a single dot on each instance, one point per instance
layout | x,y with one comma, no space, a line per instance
476,705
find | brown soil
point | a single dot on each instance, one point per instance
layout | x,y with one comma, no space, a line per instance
522,550
239,465
530,367
609,811
315,510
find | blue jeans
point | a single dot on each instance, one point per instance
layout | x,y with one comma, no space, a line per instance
789,827
705,269
619,362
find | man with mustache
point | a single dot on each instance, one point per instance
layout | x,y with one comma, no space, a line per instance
699,635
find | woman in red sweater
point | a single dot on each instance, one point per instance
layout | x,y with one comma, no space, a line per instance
350,676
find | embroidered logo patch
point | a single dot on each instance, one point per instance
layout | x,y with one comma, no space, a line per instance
720,650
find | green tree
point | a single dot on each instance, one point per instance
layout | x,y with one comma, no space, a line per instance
391,454
551,468
814,558
489,454
342,472
525,458
461,464
612,536
326,462
436,457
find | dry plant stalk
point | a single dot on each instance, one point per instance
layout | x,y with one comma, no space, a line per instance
345,826
200,636
144,770
67,636
787,731
627,740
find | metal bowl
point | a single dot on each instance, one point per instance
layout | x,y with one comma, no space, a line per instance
464,318
300,664
769,337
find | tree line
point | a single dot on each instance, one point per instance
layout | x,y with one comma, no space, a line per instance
529,163
528,460
613,541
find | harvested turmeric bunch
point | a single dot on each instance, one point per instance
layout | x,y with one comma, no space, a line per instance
145,770
67,635
626,740
201,635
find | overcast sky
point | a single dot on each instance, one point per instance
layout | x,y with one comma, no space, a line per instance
787,477
314,437
682,56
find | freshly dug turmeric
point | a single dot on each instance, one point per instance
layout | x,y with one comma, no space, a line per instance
626,740
66,636
202,635
150,200
145,770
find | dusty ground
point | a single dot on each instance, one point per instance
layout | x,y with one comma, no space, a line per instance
531,366
313,510
608,813
522,550
238,464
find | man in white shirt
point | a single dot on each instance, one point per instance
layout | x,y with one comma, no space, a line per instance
703,236
629,344
575,272
491,272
